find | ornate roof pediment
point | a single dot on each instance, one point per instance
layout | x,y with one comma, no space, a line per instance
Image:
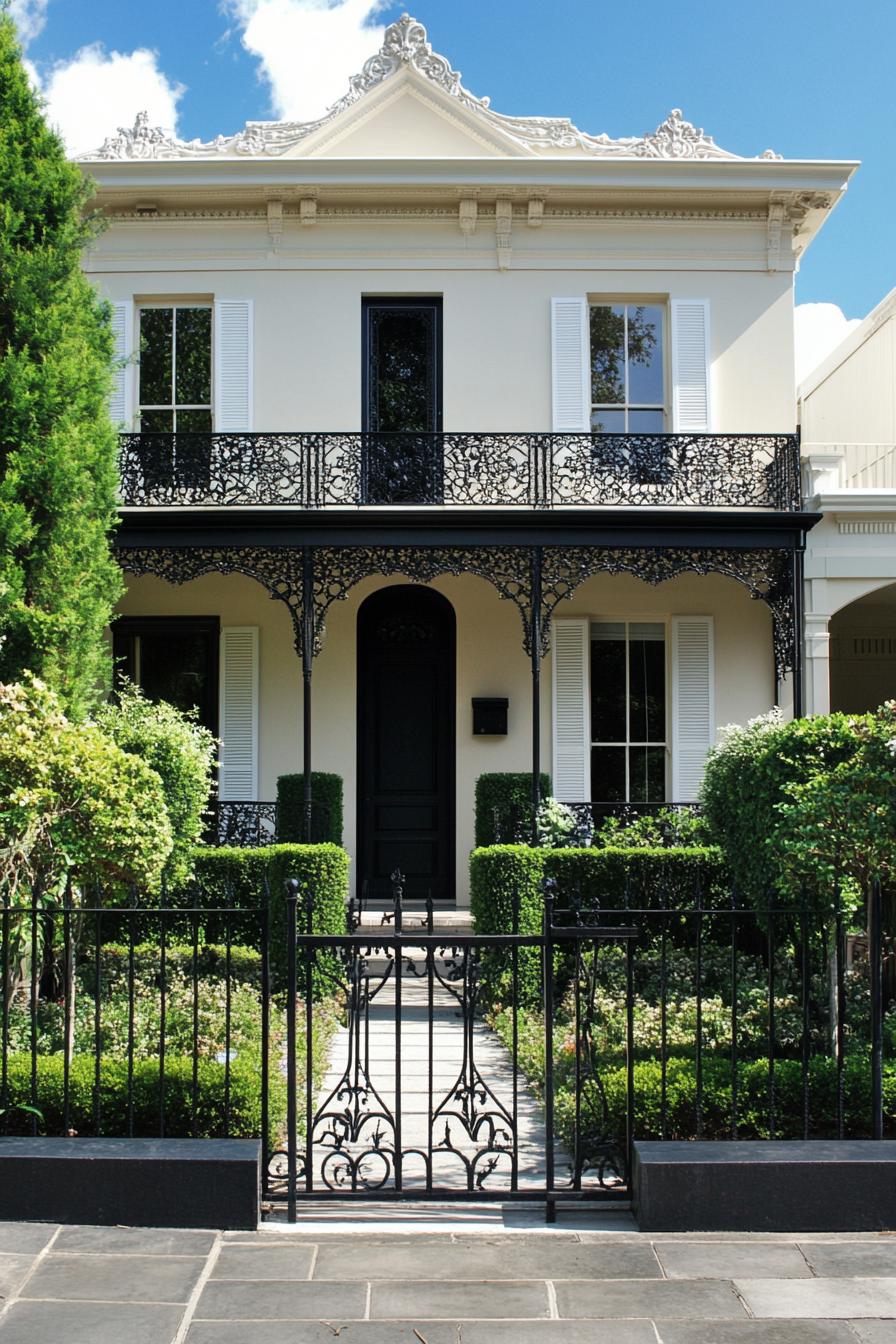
405,48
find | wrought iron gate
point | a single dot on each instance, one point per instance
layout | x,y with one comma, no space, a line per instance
424,1101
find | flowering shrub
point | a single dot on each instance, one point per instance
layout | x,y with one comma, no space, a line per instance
556,824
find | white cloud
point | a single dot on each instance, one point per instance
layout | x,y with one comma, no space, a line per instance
94,92
818,329
308,49
29,16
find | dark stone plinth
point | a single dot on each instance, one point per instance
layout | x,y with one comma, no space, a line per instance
765,1186
212,1183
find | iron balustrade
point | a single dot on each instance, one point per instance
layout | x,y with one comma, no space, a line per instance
486,470
254,825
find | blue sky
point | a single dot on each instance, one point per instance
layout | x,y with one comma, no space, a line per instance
814,80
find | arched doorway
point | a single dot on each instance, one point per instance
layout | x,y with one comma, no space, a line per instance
863,652
406,746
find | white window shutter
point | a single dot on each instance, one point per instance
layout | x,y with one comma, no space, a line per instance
233,373
691,411
570,366
238,777
570,720
121,401
693,711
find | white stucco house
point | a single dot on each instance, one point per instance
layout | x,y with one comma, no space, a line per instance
493,410
848,419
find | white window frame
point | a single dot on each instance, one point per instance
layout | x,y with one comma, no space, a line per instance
625,745
626,302
173,406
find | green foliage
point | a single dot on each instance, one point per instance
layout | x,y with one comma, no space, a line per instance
666,827
211,963
180,751
504,805
505,878
556,824
58,447
793,805
71,801
326,815
244,1098
237,877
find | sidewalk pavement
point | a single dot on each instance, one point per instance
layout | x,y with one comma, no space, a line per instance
314,1285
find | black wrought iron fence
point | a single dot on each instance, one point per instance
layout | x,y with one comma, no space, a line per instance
253,825
515,1065
539,470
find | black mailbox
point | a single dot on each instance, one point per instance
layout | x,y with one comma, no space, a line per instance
489,717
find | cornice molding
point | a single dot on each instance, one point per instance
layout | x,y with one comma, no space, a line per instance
309,213
406,48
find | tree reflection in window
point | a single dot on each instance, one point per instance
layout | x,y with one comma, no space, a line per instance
627,368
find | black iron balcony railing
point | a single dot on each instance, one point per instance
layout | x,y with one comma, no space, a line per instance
535,471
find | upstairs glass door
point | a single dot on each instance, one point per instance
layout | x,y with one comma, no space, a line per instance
402,401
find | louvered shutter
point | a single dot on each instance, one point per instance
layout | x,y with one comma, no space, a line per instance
238,779
691,411
121,401
570,365
571,726
693,714
233,364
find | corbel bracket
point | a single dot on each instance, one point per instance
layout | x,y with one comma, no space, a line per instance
503,232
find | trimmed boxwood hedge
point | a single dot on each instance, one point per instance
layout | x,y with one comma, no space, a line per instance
237,876
503,802
326,813
244,1099
501,875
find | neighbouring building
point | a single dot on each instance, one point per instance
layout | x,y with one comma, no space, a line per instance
494,410
848,422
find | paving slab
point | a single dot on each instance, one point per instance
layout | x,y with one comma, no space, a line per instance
88,1323
268,1262
459,1301
874,1332
839,1299
755,1332
272,1300
385,1258
321,1332
115,1278
705,1300
14,1270
553,1332
867,1259
731,1260
134,1241
26,1238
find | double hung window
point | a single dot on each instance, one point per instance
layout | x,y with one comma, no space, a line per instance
628,370
175,380
628,711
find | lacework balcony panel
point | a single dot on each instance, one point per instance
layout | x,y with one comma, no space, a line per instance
339,470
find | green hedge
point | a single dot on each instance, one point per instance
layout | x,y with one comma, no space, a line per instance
244,1102
326,814
211,963
238,875
753,1099
504,801
586,879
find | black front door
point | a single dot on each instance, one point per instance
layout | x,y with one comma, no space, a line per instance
406,741
402,402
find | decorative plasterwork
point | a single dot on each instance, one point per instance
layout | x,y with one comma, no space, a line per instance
405,48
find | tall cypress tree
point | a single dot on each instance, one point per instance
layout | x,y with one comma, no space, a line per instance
58,579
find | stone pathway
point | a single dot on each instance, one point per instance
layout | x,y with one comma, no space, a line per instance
83,1285
465,1147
